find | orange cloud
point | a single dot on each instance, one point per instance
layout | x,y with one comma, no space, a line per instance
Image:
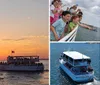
27,45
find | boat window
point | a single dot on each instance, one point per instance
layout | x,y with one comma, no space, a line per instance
65,57
81,62
88,61
79,69
70,60
75,62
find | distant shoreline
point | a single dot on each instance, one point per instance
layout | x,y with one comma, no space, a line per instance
39,59
43,59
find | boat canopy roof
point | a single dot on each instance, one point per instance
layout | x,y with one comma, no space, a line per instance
75,55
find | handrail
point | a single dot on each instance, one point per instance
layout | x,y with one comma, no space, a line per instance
71,36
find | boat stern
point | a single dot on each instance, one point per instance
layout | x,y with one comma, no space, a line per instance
84,78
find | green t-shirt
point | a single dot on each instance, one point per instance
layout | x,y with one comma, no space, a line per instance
71,25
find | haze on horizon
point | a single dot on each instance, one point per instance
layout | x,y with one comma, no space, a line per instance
24,27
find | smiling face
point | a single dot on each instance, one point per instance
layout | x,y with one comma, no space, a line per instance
59,4
67,17
55,3
76,20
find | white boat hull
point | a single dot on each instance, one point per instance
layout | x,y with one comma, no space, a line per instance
71,36
77,78
21,68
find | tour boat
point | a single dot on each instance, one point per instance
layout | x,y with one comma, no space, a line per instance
22,63
71,36
77,66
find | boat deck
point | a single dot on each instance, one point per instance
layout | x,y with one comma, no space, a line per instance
76,72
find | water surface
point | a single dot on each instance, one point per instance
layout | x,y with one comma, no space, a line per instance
25,78
92,50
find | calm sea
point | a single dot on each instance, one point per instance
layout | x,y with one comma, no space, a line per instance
26,78
58,77
84,34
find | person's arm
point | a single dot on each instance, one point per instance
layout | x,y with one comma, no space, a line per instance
85,26
60,12
54,32
52,8
66,28
63,34
65,31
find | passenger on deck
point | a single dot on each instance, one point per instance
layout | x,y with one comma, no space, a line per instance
55,11
83,25
57,28
70,25
73,23
52,10
80,13
74,10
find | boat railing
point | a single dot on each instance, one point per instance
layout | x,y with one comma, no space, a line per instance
3,63
71,36
80,73
80,70
28,64
75,71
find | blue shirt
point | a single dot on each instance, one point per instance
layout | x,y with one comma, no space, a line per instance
59,26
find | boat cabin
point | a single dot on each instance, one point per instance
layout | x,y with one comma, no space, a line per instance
76,62
76,59
22,59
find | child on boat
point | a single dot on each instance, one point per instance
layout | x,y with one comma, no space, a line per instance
52,10
74,10
55,11
57,27
70,25
73,23
57,14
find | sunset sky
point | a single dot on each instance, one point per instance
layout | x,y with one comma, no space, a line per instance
23,27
